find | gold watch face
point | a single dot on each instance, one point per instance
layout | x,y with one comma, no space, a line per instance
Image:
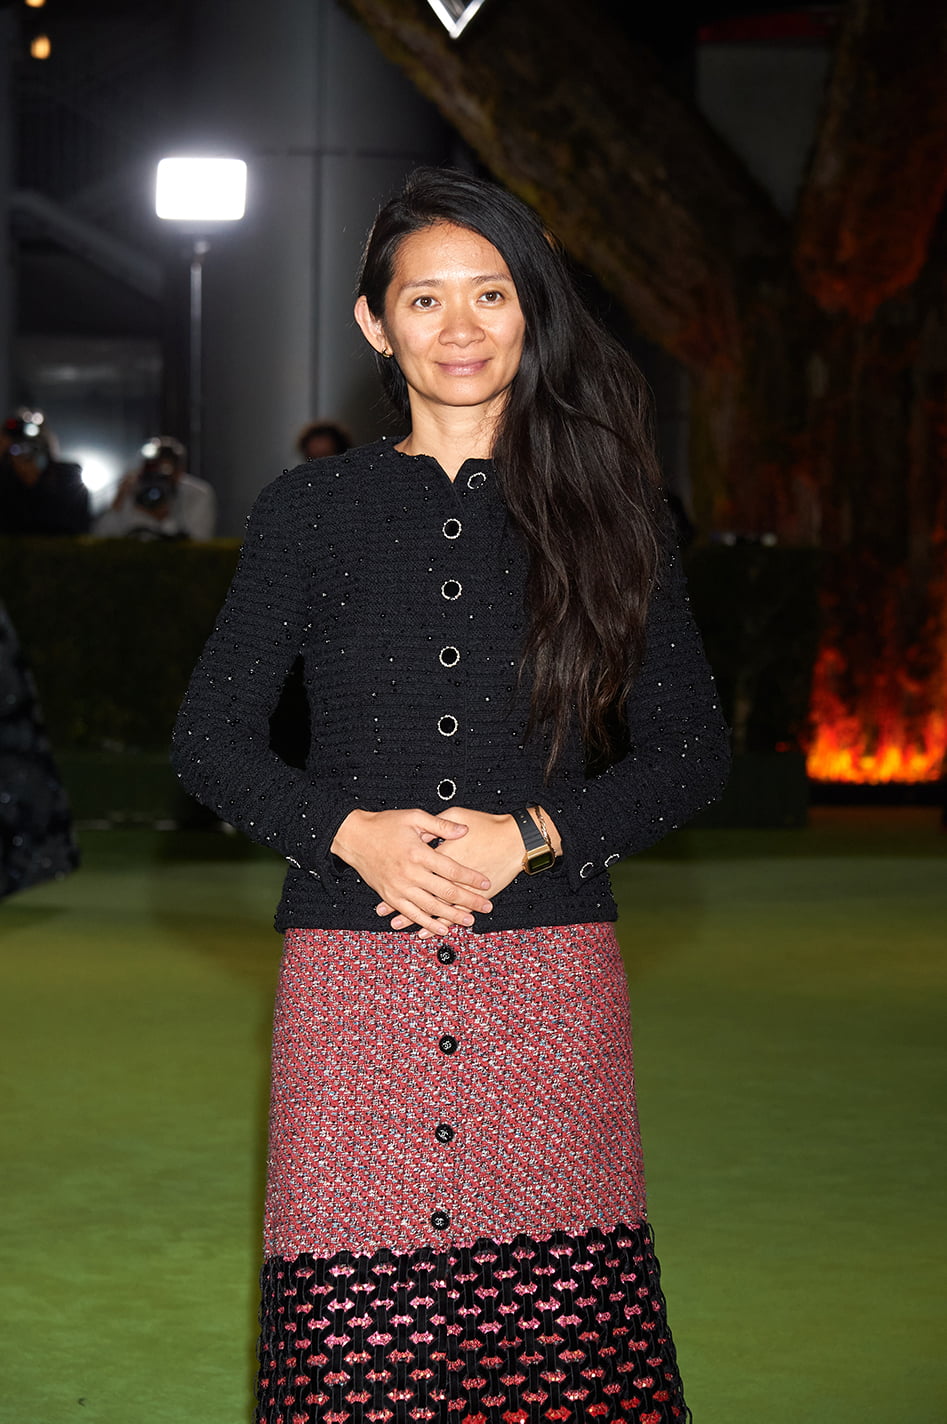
543,858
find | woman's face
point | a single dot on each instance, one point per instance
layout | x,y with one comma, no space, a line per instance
452,319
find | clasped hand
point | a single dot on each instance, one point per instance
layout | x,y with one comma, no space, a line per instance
427,885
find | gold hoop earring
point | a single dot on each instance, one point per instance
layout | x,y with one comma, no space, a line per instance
387,353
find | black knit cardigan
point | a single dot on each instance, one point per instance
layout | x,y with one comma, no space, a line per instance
404,594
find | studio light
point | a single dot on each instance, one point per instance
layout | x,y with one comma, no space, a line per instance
198,190
455,15
99,471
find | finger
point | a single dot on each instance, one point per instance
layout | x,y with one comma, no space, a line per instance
457,912
474,902
438,906
415,915
429,911
452,870
399,922
455,895
438,826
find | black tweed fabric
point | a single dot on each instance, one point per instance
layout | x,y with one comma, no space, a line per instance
403,593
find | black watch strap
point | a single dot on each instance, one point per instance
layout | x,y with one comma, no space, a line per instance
539,853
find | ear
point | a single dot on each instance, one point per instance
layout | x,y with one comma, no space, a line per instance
371,328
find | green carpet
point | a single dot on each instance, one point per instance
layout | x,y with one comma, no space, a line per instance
787,990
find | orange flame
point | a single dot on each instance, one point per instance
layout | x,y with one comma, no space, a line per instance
881,743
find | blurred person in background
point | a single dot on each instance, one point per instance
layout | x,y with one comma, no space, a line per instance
39,493
160,500
290,719
322,437
36,841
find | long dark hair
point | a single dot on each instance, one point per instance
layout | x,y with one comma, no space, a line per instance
574,457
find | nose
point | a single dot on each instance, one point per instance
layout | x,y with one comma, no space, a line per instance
460,326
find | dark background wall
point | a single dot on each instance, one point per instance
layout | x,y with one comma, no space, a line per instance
94,327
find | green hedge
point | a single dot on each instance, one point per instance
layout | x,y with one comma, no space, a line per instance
113,627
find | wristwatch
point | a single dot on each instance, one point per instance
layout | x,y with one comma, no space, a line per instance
539,853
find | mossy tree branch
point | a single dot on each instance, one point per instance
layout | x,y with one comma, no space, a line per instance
879,170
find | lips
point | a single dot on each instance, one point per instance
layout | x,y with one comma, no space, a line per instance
462,368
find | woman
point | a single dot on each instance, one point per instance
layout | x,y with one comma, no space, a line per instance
455,1221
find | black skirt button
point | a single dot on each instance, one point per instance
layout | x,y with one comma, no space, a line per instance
440,1220
446,955
447,1043
444,1132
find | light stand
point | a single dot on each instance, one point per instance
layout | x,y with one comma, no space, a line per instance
199,193
195,386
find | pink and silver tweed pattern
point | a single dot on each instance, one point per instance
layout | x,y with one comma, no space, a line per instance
440,1092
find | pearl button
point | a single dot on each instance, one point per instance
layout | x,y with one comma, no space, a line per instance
447,789
447,725
451,590
451,528
477,479
449,656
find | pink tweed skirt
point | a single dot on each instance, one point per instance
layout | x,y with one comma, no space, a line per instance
455,1217
428,1092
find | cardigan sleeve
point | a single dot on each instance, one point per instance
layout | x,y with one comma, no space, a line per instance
221,743
679,754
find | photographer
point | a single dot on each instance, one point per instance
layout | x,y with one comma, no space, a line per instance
160,500
39,494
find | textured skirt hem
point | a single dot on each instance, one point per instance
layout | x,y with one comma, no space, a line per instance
569,1328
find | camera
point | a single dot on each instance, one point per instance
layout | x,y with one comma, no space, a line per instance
34,450
155,486
27,439
157,478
